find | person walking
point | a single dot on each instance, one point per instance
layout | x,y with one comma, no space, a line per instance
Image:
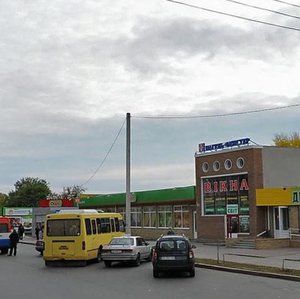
14,239
21,231
37,231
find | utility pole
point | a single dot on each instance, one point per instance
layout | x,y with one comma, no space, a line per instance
128,195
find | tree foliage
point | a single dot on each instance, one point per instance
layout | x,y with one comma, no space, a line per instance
68,192
3,199
28,192
284,140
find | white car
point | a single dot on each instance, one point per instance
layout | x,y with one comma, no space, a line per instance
126,248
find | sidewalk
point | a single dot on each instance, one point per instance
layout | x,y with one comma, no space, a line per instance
265,257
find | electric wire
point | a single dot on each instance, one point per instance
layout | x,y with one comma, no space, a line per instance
262,8
234,16
104,159
287,3
218,115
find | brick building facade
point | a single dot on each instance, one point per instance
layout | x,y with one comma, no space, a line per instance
228,176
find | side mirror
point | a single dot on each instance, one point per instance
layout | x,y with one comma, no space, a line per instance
194,246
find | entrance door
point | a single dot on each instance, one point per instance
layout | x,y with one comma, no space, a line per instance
281,222
195,225
232,226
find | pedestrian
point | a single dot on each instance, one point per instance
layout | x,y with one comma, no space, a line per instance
41,233
14,239
37,231
21,231
170,232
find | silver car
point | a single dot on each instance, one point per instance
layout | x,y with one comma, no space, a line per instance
126,248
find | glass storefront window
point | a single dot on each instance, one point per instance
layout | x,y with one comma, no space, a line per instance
149,216
164,216
219,192
244,224
136,216
181,216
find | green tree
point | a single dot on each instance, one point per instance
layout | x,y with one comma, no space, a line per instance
285,140
3,199
28,192
69,192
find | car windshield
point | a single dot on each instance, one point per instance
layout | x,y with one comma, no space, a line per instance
173,245
122,241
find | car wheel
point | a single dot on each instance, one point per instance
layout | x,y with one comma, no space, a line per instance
192,273
138,260
155,273
107,263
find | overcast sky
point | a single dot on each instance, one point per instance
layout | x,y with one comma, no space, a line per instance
71,70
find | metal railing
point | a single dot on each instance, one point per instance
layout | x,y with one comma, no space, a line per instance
294,232
262,233
244,255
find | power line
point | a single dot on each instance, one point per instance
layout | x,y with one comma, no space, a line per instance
218,115
234,16
262,8
287,3
110,149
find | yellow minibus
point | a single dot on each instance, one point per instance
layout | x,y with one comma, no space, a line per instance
79,235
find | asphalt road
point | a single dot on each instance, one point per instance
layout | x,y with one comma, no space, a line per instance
25,276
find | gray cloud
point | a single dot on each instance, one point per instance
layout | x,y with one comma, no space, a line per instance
69,73
154,40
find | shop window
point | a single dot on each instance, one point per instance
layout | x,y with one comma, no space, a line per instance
136,217
181,217
149,217
244,224
165,216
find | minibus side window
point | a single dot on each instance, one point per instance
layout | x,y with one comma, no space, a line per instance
117,224
94,227
105,225
88,226
112,224
122,226
99,225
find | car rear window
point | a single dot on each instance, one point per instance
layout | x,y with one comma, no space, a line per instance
122,241
173,245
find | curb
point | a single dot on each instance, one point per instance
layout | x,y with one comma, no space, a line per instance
249,272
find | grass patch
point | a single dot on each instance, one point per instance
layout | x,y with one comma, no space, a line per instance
249,267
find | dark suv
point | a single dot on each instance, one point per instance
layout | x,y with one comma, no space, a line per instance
173,253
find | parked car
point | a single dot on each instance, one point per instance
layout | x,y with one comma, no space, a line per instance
173,253
39,246
125,249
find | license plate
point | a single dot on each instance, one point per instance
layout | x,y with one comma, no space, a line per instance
116,251
167,258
